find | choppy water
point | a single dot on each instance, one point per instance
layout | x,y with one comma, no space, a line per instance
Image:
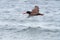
14,25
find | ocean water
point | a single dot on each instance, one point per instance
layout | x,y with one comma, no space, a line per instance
14,25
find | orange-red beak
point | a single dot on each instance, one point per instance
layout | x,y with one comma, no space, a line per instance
24,12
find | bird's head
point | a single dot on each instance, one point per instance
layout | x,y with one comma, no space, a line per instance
28,12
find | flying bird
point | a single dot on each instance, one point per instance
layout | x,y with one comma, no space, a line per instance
34,12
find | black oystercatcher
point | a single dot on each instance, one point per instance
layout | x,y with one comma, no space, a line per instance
34,12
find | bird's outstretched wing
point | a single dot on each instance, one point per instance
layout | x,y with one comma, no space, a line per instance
35,10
